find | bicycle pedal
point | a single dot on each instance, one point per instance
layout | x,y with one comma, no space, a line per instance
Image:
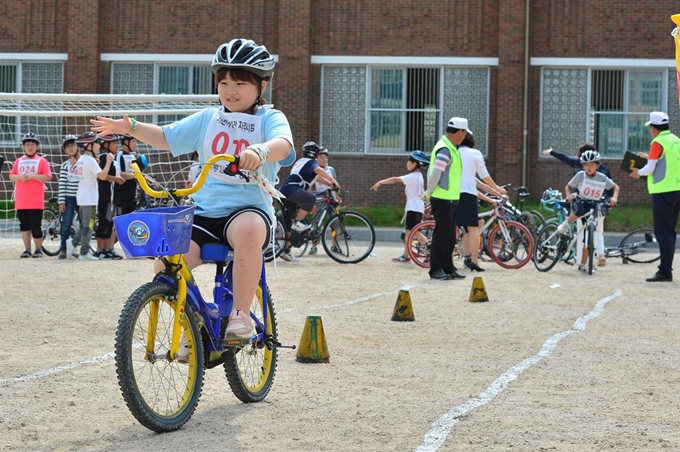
236,342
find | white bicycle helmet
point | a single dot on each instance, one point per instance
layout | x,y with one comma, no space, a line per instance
244,54
590,156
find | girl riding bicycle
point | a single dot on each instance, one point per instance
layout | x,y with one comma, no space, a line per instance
229,209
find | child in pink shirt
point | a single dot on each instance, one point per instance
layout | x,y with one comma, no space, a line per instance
29,173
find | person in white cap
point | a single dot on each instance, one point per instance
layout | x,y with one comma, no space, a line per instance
443,189
663,183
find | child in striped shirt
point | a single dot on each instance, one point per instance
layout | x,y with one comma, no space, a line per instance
68,189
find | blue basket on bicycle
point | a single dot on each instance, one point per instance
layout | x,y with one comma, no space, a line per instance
155,232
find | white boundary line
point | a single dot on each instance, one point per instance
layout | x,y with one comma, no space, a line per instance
100,359
435,438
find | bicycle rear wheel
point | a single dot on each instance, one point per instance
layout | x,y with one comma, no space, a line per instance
591,245
348,238
640,246
250,369
417,251
51,229
512,247
160,392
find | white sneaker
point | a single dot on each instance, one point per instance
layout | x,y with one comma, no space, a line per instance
183,350
69,249
240,326
87,257
289,257
299,226
563,228
584,268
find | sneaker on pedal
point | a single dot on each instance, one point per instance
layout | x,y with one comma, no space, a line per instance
240,326
289,257
299,226
563,228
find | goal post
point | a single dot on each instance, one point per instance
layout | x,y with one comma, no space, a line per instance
52,116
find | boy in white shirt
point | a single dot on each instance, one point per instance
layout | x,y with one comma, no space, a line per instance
583,189
414,187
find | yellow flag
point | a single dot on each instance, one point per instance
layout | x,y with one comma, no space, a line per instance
676,34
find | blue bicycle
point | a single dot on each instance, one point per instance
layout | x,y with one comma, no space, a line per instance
160,391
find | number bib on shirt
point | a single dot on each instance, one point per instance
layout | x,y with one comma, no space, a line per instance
28,166
231,133
591,189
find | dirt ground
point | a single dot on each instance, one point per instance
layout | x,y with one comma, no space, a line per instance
555,361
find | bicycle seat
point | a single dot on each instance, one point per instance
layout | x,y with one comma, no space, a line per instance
216,253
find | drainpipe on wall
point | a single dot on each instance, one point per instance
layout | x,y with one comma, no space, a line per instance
525,112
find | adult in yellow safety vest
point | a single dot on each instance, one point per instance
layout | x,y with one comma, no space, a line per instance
443,189
663,182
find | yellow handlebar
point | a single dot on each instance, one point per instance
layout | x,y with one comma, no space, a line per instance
182,191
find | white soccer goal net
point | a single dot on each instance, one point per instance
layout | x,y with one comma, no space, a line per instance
52,116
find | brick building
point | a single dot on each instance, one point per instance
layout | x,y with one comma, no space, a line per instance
372,80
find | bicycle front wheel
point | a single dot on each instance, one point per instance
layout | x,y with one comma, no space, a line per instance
51,229
511,246
250,369
419,249
546,251
640,246
160,392
591,245
348,238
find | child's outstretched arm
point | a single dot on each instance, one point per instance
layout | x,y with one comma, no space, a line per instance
147,133
389,180
564,158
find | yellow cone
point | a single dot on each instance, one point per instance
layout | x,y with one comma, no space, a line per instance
403,311
313,347
478,291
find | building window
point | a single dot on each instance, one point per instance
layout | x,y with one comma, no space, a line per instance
407,107
608,107
29,77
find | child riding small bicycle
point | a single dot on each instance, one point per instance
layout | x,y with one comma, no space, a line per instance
585,189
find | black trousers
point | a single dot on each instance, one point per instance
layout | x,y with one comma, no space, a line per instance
443,236
665,208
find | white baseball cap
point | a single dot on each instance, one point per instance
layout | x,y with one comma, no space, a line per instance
459,123
657,118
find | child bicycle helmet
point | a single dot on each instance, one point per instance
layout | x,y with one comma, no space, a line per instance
86,141
30,136
66,140
420,156
590,156
323,150
244,54
310,149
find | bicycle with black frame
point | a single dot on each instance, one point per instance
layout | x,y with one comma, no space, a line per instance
347,236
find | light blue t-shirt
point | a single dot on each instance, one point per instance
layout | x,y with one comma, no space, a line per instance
218,198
